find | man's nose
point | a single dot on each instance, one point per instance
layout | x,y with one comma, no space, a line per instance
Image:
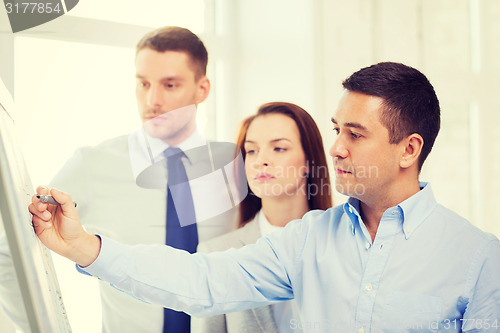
155,97
339,149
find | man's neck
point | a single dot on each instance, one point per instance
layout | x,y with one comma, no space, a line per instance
371,211
180,137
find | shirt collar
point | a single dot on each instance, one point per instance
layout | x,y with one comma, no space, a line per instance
351,208
144,150
265,226
414,210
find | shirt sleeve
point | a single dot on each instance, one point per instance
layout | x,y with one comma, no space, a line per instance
205,284
212,324
483,311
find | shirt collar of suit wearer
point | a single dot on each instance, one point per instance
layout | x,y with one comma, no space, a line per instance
193,141
145,150
411,212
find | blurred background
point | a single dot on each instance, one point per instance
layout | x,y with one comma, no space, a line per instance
73,82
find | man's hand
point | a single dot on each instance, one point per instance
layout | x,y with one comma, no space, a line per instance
59,228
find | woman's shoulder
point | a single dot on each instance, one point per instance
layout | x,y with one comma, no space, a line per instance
248,234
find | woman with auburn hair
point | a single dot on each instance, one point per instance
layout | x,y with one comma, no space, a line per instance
287,175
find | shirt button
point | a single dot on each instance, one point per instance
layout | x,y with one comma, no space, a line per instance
367,245
350,209
369,287
361,330
408,230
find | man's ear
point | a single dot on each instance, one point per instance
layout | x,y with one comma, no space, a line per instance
412,146
203,89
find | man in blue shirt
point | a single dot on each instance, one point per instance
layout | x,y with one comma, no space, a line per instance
391,259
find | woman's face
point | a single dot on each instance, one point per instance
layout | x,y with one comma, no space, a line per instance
275,162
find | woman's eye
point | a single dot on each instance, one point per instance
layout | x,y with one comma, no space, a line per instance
279,149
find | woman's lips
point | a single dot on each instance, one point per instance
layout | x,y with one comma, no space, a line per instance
262,177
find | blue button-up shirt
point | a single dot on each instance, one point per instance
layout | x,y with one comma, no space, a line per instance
427,270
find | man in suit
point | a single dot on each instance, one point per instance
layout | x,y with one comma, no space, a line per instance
129,171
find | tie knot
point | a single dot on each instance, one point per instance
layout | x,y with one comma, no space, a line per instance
172,151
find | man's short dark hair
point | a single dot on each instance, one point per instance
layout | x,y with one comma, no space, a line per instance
410,102
177,39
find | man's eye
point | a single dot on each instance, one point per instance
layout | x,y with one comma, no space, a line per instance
336,130
355,136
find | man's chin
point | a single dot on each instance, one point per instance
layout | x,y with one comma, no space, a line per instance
159,132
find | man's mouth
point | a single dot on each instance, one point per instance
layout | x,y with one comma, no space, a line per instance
341,171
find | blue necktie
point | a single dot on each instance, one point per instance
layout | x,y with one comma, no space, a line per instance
182,232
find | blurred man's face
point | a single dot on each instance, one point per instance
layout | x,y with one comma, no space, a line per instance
167,93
